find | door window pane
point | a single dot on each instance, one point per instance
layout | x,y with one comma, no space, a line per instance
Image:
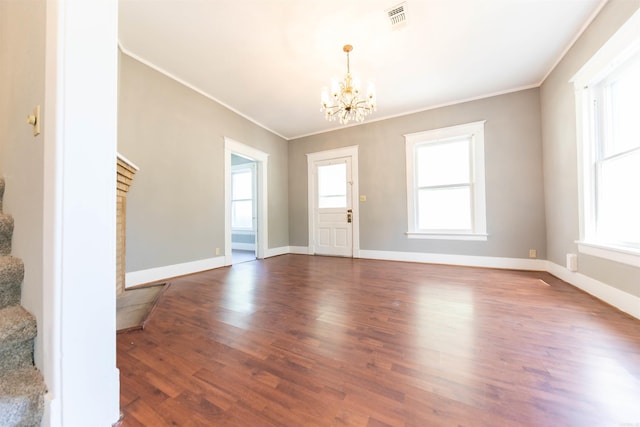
332,186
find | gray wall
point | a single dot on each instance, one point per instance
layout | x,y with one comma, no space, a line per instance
175,208
22,54
560,152
513,156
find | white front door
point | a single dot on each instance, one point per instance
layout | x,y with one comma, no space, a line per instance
333,206
333,216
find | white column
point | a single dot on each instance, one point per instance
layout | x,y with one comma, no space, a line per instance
80,119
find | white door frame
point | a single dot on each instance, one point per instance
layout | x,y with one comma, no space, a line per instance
261,158
352,152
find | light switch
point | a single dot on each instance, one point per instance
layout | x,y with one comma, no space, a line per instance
363,198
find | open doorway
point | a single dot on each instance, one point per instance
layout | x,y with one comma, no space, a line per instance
245,202
244,224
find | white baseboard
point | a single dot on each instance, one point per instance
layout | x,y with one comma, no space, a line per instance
300,250
161,273
278,251
466,260
51,416
623,301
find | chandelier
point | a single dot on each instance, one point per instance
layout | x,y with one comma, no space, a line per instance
344,102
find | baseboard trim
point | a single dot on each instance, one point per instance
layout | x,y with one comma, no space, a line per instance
283,250
621,300
51,416
463,260
140,277
300,250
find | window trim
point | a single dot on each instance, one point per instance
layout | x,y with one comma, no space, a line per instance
621,46
479,223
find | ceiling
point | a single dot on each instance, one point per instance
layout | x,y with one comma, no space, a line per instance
268,60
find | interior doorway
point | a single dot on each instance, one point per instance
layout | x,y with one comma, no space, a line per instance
244,224
246,199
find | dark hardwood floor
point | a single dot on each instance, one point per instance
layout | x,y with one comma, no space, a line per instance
299,340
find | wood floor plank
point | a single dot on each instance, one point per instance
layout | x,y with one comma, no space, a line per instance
317,341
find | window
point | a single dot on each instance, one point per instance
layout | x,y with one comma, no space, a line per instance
616,156
242,195
332,186
608,101
445,183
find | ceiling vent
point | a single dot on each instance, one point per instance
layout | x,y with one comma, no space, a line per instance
398,15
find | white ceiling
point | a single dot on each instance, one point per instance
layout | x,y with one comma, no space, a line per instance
269,59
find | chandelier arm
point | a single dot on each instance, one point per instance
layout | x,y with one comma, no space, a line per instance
364,104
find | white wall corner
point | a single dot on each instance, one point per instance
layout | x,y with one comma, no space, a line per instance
621,300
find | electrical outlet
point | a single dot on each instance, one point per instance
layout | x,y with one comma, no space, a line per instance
217,251
533,253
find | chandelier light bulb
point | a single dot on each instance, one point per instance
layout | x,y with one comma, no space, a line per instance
356,84
345,102
371,91
325,96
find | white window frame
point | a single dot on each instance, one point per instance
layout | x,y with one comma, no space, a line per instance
474,130
251,167
620,47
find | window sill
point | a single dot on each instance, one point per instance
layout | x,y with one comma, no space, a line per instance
446,236
623,255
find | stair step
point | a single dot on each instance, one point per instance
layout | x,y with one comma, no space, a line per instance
6,232
22,387
17,331
11,277
22,397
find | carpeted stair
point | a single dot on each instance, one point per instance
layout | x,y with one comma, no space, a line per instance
21,385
